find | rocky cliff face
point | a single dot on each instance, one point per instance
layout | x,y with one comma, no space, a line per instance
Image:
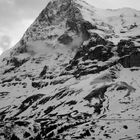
74,75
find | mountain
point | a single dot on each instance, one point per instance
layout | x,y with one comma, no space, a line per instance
75,74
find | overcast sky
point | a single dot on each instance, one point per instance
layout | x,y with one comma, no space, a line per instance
17,15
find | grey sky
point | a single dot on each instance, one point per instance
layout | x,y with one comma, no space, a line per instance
17,15
15,18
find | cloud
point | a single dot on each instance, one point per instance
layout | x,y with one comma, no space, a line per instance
5,42
15,33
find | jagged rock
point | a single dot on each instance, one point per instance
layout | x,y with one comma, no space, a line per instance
22,123
26,135
39,84
125,47
44,71
65,39
95,49
132,60
14,137
28,102
100,53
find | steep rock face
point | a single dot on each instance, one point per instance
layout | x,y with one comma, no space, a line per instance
73,75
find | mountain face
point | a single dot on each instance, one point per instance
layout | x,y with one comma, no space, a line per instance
75,74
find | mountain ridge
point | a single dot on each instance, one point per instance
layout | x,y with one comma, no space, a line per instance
73,75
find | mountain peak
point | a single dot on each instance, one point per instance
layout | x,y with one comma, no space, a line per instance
57,10
73,75
60,22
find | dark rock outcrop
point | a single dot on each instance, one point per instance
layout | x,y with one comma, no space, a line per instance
132,60
125,47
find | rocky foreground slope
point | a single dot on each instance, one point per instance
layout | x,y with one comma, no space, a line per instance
75,74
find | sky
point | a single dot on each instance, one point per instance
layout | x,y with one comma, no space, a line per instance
17,15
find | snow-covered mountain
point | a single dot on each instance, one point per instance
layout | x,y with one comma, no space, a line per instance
75,74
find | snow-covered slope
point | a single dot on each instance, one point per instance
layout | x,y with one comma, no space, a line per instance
75,74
